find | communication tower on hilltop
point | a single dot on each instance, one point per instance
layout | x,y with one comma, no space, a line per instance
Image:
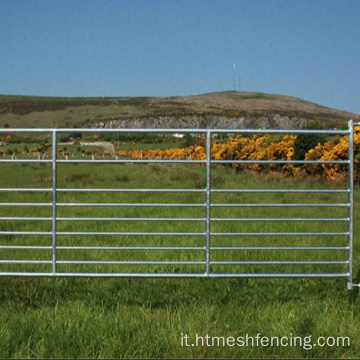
234,78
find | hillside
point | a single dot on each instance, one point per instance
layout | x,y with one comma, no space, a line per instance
234,108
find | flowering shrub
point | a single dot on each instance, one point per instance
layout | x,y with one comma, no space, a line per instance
334,150
190,153
265,147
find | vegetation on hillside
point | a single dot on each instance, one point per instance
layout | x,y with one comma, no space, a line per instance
29,111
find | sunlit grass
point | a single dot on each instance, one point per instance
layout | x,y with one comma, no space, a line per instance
55,317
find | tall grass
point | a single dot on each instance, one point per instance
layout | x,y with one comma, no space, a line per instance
56,317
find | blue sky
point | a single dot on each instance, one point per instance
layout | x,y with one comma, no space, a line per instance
304,48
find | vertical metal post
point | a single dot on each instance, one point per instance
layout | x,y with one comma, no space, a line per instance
54,212
351,202
208,199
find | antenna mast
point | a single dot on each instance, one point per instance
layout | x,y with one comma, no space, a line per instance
234,79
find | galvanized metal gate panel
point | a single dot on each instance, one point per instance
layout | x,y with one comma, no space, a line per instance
207,247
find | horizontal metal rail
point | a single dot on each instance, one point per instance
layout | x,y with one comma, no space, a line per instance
131,161
279,205
133,190
9,218
149,262
240,191
179,161
25,261
25,218
132,204
125,219
24,190
107,204
281,262
294,191
280,161
279,233
282,219
145,262
177,131
25,204
113,233
174,275
178,248
157,248
276,248
25,233
25,161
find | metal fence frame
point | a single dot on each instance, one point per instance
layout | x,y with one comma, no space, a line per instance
208,205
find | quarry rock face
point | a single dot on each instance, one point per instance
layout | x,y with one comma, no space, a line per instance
206,122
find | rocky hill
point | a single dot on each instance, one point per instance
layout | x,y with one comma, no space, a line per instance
214,110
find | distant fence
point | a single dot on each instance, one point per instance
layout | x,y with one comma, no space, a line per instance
207,248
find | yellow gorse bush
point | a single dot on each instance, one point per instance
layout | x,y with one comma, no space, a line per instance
334,150
264,147
190,153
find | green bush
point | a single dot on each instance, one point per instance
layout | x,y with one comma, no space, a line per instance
189,140
305,142
65,138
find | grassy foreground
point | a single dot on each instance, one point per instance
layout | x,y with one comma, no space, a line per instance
127,318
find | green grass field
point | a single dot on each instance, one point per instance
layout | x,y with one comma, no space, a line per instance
82,317
150,146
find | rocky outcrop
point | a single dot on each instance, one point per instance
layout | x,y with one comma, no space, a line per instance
204,122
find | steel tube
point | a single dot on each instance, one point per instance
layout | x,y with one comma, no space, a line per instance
280,161
24,247
174,161
102,130
351,201
25,204
126,219
177,275
104,233
179,248
8,218
134,190
283,219
276,248
281,262
208,202
295,191
279,205
131,204
130,161
181,131
54,209
24,161
25,262
280,131
24,190
25,232
26,130
280,275
155,248
279,233
145,262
